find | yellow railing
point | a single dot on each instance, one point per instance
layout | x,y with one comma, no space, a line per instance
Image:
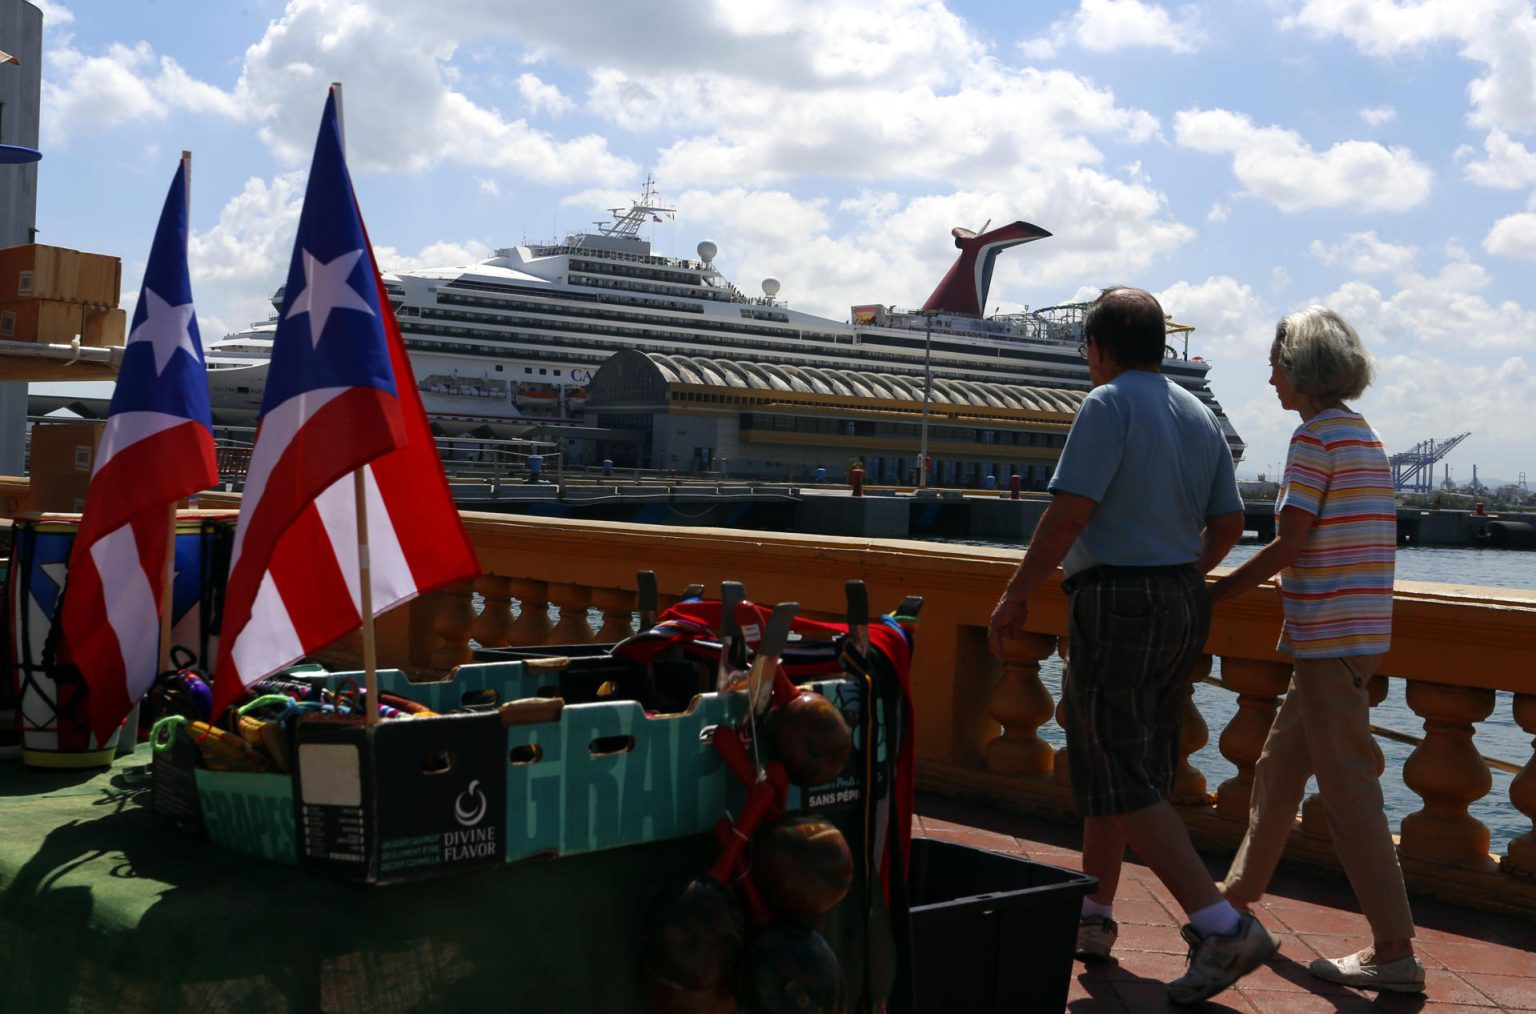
978,720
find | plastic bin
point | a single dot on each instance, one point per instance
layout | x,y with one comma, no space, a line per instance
991,932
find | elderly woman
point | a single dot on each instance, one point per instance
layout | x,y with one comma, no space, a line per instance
1334,548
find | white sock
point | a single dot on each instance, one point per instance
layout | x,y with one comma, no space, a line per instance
1091,908
1220,919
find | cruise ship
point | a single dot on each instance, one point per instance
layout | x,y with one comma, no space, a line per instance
515,338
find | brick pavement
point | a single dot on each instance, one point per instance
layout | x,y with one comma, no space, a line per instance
1474,961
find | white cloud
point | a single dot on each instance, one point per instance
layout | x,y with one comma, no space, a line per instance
1280,278
1103,26
318,41
1279,166
542,97
490,187
1365,254
1446,311
127,84
234,265
999,122
1219,212
1499,34
1513,236
433,255
1230,320
55,14
1375,116
1509,164
1410,403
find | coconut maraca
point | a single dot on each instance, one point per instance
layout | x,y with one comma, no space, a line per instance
810,738
803,864
790,969
692,947
695,939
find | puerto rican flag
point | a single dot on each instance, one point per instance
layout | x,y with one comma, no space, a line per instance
340,396
156,448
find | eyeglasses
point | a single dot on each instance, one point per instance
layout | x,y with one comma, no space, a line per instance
1082,351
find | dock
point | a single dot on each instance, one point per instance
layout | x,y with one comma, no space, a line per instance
896,513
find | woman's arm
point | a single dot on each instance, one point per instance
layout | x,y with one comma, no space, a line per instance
1291,530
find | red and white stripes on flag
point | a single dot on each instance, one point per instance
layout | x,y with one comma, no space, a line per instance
111,611
340,397
156,448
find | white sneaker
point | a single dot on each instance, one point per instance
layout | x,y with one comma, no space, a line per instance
1405,975
1095,936
1219,960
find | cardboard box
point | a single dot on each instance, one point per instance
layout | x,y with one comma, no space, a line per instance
101,328
47,321
38,271
430,795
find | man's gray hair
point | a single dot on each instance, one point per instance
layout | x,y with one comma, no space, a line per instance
1321,355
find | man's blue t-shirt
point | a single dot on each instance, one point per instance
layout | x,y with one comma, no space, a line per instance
1155,461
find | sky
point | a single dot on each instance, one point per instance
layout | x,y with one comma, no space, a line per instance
1241,159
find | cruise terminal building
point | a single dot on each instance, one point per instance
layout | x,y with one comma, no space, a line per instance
776,422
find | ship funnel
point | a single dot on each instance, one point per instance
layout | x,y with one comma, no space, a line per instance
707,251
964,288
770,287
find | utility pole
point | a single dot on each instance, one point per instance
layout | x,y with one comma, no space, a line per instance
922,453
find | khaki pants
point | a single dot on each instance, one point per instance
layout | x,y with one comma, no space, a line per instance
1323,728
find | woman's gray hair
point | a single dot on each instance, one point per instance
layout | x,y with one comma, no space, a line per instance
1321,355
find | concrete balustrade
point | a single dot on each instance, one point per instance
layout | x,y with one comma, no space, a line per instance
979,720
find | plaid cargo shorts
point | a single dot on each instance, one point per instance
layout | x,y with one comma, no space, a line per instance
1135,635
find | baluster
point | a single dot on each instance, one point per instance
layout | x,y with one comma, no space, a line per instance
1188,782
1448,774
1521,857
454,618
618,609
1021,704
1061,773
533,625
573,600
1259,685
493,627
1314,814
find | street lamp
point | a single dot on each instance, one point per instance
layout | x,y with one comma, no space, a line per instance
922,453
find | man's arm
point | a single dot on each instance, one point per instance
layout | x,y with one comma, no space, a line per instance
1291,530
1059,527
1220,535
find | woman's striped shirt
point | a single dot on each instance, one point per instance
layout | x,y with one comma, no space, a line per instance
1338,593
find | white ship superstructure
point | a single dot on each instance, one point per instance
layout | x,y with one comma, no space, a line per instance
515,338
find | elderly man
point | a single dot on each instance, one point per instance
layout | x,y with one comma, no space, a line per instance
1145,503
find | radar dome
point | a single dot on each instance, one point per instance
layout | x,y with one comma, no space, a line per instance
770,287
707,251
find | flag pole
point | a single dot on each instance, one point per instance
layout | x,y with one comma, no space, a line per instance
360,501
168,574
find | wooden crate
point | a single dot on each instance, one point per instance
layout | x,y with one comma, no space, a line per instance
99,280
38,271
101,328
49,321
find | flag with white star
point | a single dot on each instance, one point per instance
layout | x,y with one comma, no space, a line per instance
340,398
156,448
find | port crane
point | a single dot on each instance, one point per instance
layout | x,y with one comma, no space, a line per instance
1413,470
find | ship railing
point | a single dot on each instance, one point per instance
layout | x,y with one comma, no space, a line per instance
988,729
